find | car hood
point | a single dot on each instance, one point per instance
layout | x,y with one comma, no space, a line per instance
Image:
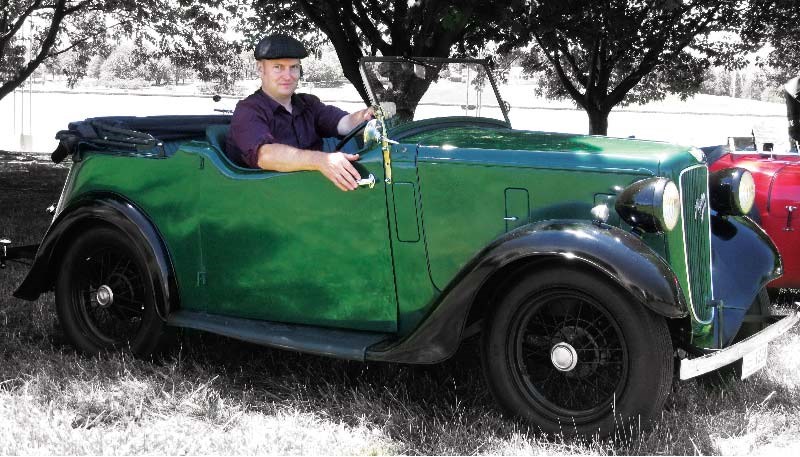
492,144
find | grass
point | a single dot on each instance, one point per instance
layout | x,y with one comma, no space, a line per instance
213,395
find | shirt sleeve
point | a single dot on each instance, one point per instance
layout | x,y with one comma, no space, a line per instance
250,128
326,117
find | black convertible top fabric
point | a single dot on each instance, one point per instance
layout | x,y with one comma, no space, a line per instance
164,128
132,132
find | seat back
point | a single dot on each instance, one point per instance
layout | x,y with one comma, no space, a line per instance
217,135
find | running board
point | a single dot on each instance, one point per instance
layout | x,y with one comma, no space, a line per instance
342,344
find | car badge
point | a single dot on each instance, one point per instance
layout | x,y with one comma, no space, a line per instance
700,207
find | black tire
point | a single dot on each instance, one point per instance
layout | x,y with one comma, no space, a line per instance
105,257
624,355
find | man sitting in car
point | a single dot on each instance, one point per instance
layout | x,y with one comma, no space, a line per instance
277,129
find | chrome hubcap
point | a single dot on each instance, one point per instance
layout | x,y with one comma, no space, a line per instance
564,357
104,296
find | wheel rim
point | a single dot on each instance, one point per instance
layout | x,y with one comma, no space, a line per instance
108,294
568,355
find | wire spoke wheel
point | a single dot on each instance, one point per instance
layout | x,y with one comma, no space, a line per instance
104,294
569,353
107,268
575,355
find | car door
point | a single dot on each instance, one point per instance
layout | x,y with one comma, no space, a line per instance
292,247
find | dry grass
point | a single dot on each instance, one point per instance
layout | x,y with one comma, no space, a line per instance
217,396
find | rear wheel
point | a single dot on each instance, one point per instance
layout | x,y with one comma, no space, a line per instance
105,295
574,355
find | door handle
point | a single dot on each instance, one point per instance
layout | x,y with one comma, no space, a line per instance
369,181
790,211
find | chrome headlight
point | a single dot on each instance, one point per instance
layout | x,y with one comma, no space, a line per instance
732,191
652,205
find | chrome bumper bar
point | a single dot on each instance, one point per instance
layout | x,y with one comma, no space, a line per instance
707,363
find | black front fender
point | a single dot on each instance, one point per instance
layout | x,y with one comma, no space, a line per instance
744,260
622,257
93,209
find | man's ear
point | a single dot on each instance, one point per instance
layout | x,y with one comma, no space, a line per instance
259,67
301,72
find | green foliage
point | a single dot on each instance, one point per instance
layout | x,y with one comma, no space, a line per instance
52,28
607,53
194,36
75,67
323,68
756,83
95,67
433,28
776,22
120,64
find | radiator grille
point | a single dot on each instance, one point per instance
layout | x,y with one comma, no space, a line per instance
697,239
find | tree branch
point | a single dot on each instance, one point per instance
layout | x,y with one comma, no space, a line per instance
362,19
565,81
443,38
377,10
18,23
46,45
561,41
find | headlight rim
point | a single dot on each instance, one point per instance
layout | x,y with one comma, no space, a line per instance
726,189
642,205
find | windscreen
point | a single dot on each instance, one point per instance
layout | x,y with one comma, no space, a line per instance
412,90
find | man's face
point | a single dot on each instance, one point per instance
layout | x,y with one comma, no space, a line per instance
279,76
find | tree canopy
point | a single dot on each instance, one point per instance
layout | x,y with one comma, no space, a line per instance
603,53
189,32
776,22
31,31
357,28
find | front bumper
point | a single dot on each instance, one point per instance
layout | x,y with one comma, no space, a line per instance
707,363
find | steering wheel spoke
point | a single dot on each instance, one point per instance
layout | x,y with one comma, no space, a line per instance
350,135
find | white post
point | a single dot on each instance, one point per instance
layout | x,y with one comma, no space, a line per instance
26,140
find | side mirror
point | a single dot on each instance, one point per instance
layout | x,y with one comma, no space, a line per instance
373,132
791,91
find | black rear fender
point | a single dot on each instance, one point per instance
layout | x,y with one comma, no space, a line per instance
93,210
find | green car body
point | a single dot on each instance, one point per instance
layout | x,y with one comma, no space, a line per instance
462,210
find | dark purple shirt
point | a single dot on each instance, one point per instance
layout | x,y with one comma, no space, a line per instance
259,119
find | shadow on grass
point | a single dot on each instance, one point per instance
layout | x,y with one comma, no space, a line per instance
436,409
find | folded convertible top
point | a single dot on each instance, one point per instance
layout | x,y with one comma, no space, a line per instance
131,133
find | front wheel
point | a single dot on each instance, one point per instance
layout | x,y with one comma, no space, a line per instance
105,295
572,354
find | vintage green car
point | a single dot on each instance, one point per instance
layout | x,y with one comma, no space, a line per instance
594,269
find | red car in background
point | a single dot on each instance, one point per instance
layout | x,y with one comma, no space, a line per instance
777,182
777,203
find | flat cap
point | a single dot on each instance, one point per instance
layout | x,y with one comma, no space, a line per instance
280,46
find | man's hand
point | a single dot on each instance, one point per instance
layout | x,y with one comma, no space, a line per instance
350,121
336,166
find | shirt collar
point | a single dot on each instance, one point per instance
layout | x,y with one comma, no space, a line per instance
297,102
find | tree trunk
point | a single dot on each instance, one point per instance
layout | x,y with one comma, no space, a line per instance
598,121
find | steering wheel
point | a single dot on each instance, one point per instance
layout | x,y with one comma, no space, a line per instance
349,136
